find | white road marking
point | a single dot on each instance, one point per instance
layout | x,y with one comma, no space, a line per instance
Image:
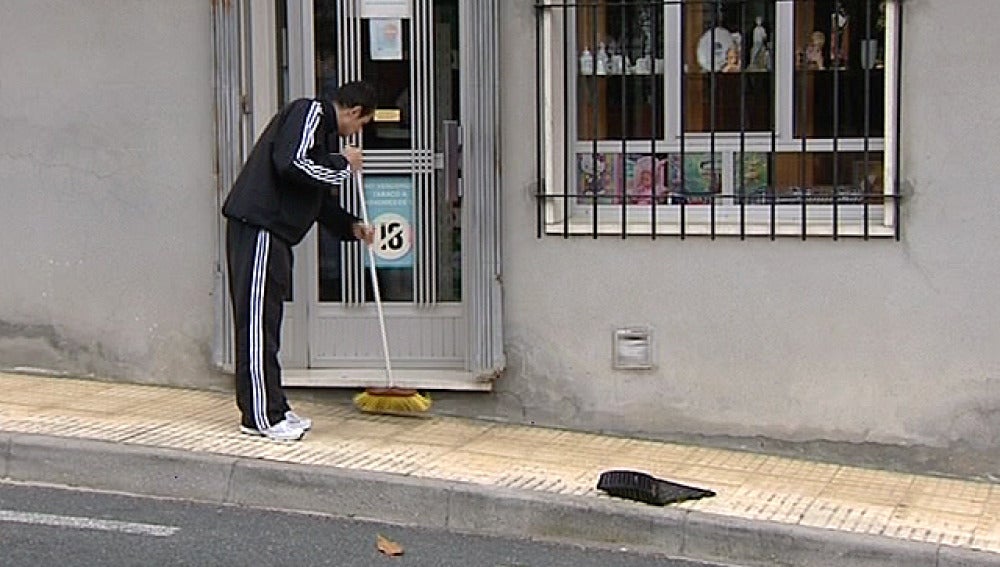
87,523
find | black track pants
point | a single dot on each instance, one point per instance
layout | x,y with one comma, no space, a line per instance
260,276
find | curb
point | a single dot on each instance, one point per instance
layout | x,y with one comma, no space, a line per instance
463,507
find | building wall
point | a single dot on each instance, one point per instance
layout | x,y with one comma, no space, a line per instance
846,340
106,172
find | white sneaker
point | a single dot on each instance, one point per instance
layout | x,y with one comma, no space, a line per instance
298,421
281,431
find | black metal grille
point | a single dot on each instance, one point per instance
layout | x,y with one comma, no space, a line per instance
738,117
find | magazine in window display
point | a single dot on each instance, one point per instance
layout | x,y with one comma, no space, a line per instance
753,186
598,177
702,178
646,179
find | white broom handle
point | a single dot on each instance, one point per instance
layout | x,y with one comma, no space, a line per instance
375,286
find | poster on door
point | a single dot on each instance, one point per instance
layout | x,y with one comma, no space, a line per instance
386,39
390,210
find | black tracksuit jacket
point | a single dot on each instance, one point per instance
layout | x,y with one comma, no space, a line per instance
288,181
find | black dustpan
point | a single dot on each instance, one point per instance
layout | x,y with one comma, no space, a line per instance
643,487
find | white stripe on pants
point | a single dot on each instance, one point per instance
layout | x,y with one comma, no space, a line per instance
257,302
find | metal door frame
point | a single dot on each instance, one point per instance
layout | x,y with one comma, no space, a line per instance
481,282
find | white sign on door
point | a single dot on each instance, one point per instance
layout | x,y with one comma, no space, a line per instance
395,239
385,8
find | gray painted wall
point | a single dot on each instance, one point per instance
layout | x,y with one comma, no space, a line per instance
877,341
106,172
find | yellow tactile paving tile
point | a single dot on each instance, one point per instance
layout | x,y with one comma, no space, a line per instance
793,470
533,476
747,485
108,405
804,488
85,426
21,382
838,515
943,503
70,395
977,491
376,427
465,466
14,411
720,459
854,475
650,454
394,457
448,433
987,534
513,449
991,508
772,506
932,526
501,471
194,410
883,494
716,479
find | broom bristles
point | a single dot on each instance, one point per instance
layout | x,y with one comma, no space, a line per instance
392,401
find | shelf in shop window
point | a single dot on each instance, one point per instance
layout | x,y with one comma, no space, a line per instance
842,70
754,72
620,75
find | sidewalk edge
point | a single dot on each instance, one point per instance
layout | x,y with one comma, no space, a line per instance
434,503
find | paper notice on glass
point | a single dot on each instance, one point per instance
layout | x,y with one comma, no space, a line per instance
385,8
386,39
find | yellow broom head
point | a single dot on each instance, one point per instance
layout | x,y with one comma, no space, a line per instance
392,401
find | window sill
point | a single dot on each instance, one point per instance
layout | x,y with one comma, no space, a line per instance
846,229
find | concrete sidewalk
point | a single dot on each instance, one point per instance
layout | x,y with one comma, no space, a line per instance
487,477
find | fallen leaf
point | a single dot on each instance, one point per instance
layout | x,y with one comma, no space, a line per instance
387,546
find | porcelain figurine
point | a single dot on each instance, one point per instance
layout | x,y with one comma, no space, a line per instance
814,52
760,53
840,37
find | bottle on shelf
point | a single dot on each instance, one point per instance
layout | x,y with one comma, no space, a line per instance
601,61
586,62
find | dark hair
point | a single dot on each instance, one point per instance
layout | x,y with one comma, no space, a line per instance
357,93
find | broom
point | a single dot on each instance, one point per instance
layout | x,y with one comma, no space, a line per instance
389,399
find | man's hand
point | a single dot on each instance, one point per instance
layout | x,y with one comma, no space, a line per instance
354,156
364,232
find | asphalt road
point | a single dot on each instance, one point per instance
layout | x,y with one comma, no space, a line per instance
42,526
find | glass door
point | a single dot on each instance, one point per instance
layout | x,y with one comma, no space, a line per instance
409,50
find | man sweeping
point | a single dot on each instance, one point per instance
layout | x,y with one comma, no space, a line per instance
287,184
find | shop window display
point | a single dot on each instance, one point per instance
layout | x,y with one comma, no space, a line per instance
723,103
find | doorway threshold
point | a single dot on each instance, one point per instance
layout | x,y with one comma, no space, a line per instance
422,379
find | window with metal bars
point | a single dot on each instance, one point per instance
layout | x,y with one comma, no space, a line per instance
718,117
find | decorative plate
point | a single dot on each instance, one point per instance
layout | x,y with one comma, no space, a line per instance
723,41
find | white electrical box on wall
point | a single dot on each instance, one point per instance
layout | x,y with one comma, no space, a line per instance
633,348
